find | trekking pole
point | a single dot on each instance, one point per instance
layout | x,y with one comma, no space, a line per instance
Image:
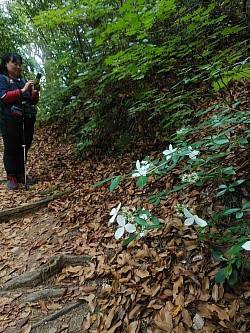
24,148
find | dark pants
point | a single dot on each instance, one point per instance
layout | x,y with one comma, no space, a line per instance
13,138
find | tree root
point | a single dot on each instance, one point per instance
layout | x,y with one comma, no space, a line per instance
58,313
7,213
46,271
44,294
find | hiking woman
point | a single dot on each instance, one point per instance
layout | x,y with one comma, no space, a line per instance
17,119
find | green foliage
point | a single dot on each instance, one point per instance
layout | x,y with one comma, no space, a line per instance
232,260
15,40
231,187
115,182
239,211
133,64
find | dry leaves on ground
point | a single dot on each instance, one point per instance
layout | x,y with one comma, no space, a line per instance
161,283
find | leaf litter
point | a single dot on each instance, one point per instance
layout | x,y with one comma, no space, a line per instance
161,283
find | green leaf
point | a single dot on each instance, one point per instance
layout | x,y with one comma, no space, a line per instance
239,215
220,276
233,278
177,188
237,248
221,141
143,212
238,263
230,211
141,181
228,271
219,84
103,181
219,194
217,156
150,227
223,186
218,256
155,220
229,171
231,30
140,221
246,205
237,182
129,240
114,183
156,201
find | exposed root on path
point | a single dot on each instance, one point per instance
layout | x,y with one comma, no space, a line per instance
46,271
58,313
10,212
44,294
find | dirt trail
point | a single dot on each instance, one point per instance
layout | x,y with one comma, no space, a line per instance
27,242
23,252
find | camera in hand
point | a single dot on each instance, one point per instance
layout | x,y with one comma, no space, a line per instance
37,81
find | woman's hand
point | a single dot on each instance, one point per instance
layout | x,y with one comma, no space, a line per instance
27,86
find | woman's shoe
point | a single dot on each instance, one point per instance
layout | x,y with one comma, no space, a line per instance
11,182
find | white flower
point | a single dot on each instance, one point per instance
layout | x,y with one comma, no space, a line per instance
141,168
168,152
144,216
129,227
246,246
143,232
190,219
192,154
114,213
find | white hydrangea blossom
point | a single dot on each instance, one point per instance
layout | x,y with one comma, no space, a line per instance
114,213
142,168
145,216
193,153
169,152
246,246
129,227
191,219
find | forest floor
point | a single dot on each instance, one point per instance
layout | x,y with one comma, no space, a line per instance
61,270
